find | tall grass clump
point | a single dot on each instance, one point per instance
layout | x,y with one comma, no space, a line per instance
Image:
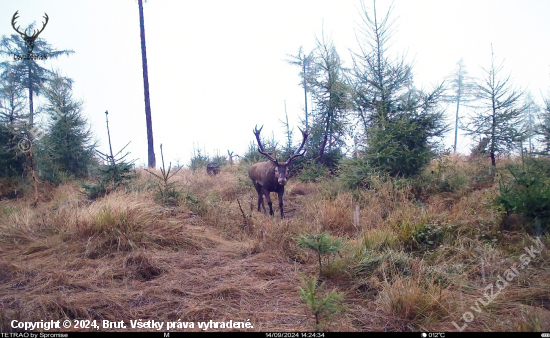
114,228
415,302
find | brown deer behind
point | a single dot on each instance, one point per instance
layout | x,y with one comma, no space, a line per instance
213,168
271,176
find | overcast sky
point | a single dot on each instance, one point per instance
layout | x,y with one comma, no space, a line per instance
217,67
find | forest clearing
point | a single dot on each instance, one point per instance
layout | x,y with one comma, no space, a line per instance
386,205
407,262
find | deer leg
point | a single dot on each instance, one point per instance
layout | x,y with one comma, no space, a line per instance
281,204
261,201
268,198
260,197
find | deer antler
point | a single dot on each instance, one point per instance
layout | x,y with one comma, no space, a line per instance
304,136
261,148
24,34
35,35
15,17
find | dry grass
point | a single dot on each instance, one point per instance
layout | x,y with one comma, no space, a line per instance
408,262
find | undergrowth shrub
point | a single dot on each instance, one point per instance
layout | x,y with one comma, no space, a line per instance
322,244
322,306
111,177
167,193
422,234
527,191
356,173
198,160
12,187
194,203
331,159
446,175
220,160
428,234
311,171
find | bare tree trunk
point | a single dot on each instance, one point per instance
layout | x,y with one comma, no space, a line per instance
530,129
31,167
150,146
305,92
30,137
456,122
35,184
31,108
493,141
324,144
30,156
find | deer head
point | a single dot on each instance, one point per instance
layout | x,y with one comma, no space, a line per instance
281,168
29,40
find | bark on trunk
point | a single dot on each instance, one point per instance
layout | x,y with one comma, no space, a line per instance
150,145
456,121
305,91
31,108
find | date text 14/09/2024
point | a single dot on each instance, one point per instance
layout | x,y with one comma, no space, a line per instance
295,335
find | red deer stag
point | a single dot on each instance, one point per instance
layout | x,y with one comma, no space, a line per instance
271,176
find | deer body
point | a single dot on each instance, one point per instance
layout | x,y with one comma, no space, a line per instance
271,176
266,181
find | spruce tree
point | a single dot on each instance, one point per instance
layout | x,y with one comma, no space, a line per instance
497,114
67,146
30,73
528,123
401,123
461,91
12,117
332,103
304,62
31,76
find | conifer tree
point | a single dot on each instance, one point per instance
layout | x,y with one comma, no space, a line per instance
12,117
401,123
497,114
528,123
31,76
461,88
68,145
30,73
305,63
332,102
